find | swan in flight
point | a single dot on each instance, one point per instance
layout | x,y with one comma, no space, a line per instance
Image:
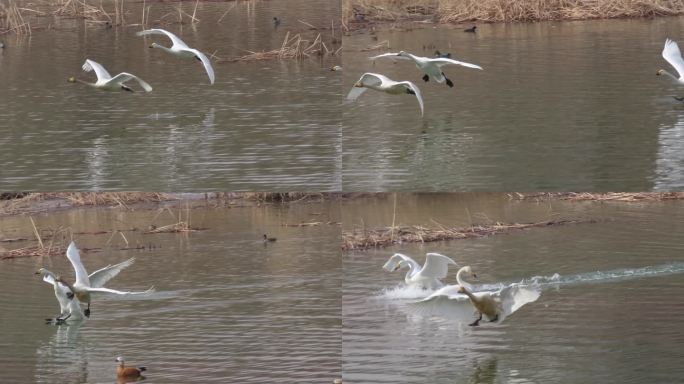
180,49
69,308
384,84
673,56
428,276
431,67
456,302
86,284
106,81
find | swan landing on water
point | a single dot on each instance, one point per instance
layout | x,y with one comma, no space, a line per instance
428,276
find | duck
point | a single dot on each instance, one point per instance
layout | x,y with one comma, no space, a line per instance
276,21
86,284
431,67
70,309
106,81
383,83
180,49
471,29
438,54
128,372
336,68
428,276
269,239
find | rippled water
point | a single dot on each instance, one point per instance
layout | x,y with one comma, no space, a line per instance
263,125
609,310
558,106
227,308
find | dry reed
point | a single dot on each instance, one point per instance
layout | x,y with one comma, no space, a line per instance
609,196
293,47
362,239
12,20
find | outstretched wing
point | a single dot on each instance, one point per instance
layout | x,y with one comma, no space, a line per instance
673,56
157,31
368,78
436,265
206,62
456,307
125,76
442,61
393,55
114,291
416,91
74,257
514,296
100,72
100,277
393,261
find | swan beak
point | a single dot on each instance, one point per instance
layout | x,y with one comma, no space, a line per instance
71,80
358,84
37,273
659,73
474,275
152,46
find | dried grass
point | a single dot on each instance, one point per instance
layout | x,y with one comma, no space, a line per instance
293,47
362,239
457,11
12,19
609,196
37,202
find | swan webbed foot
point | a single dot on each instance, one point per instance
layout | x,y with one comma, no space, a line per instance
410,91
681,99
495,319
476,322
449,82
87,312
426,78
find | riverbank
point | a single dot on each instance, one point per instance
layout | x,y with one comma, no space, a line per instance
360,14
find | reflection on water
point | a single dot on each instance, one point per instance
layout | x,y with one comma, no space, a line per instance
556,107
603,284
263,125
226,308
670,161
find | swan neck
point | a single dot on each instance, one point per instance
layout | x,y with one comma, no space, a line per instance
470,295
459,278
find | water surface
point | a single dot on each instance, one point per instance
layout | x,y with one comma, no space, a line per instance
558,106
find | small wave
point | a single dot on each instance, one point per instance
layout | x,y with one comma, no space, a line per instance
607,276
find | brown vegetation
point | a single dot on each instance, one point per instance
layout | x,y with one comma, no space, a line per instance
37,202
357,12
608,196
293,47
361,239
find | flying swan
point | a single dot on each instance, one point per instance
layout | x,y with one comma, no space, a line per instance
428,276
69,308
180,49
384,84
106,81
673,56
86,284
431,67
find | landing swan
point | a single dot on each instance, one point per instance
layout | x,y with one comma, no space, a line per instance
384,84
69,308
673,56
106,81
86,284
428,276
453,289
180,49
431,67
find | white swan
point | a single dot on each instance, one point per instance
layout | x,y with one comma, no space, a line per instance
431,67
106,81
86,284
673,56
449,290
456,302
384,84
69,308
180,49
428,276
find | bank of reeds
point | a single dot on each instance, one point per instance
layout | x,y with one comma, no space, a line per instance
362,239
36,202
293,47
12,19
457,11
608,196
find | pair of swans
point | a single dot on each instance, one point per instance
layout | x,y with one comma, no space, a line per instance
430,67
178,48
84,285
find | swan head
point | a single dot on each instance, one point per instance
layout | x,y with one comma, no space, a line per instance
469,271
400,265
402,53
71,80
461,289
335,68
359,84
41,271
154,45
660,72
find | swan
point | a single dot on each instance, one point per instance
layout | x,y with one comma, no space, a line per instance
127,372
180,49
69,308
384,84
106,81
86,284
428,276
673,56
431,67
453,289
456,302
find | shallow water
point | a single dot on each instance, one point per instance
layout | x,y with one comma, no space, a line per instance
265,125
558,106
609,310
226,307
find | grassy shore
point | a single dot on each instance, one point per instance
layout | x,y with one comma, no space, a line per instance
459,11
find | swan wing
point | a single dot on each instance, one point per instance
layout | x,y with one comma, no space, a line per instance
100,277
124,77
100,71
205,62
372,79
393,55
416,92
61,292
177,42
673,56
114,291
355,93
442,61
514,296
396,259
436,266
456,307
74,257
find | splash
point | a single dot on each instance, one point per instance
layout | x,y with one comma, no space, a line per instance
403,291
